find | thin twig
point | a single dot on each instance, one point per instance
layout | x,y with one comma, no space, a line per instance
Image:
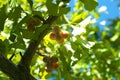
40,54
12,56
39,17
21,54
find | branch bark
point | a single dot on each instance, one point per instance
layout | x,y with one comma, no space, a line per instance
29,53
7,66
22,71
12,70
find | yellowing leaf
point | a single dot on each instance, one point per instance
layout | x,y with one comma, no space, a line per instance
79,17
115,37
78,6
40,0
2,38
24,1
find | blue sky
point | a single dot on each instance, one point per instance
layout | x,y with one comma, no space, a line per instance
112,11
112,8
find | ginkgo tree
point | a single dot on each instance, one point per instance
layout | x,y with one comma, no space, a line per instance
44,39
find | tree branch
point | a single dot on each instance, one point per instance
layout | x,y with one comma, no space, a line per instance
12,70
30,51
21,71
7,66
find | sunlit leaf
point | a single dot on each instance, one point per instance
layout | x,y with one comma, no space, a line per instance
115,37
79,17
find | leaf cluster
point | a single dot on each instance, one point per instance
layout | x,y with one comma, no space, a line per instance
87,53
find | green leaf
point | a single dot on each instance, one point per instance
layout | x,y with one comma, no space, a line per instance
4,78
74,46
12,37
63,48
2,47
89,4
69,55
61,20
15,13
77,53
17,28
30,2
38,31
20,44
78,5
34,60
63,10
37,13
3,16
115,37
79,17
52,8
66,67
62,58
24,20
27,34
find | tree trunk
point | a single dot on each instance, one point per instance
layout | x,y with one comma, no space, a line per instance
14,72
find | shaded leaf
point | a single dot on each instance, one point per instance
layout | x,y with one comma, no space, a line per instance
52,8
2,47
77,53
27,34
74,46
20,44
61,20
15,13
66,67
30,2
3,16
39,30
63,10
90,4
12,37
4,78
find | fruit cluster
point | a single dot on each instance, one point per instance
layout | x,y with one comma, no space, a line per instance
51,63
58,35
32,22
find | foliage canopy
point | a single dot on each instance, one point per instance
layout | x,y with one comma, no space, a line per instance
26,48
